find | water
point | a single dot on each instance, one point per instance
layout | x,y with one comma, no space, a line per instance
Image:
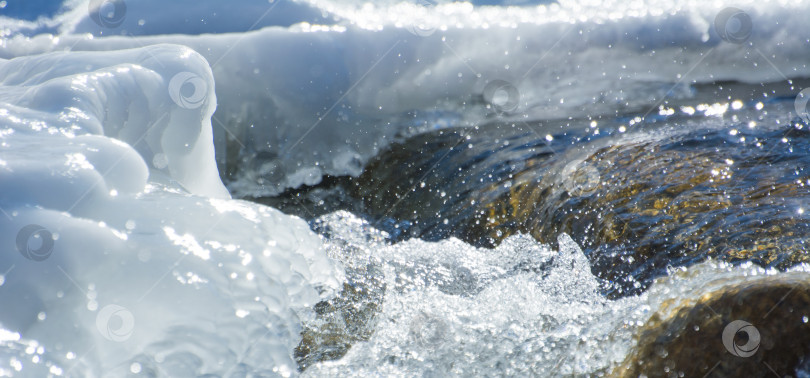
545,189
644,199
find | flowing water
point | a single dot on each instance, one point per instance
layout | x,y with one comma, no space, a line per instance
643,197
202,188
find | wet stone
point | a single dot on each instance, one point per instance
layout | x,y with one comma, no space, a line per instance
636,205
755,329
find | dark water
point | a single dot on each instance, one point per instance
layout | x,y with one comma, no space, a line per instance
640,195
723,175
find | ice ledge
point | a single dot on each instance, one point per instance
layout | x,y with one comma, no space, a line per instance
158,100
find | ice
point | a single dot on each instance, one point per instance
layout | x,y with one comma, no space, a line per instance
120,244
219,290
127,95
122,250
323,95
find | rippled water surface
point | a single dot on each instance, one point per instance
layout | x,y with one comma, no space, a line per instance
642,197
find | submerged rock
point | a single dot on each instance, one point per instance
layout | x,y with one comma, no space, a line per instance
636,203
647,205
755,329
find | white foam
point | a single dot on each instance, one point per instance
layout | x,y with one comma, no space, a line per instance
452,309
522,309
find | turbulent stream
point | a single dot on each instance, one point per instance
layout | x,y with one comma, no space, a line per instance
642,199
252,188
